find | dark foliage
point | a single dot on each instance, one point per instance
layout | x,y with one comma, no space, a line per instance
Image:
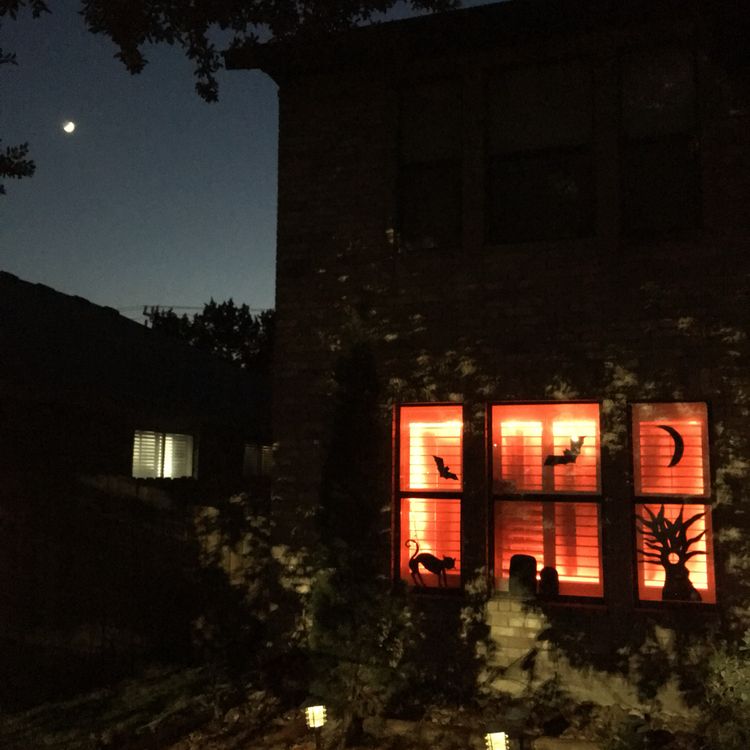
226,330
360,630
13,161
192,26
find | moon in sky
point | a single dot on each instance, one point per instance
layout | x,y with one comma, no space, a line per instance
69,126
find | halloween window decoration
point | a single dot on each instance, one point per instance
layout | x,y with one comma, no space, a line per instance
430,484
670,449
549,452
673,535
545,448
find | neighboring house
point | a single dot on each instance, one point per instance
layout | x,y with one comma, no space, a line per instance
86,391
536,213
111,436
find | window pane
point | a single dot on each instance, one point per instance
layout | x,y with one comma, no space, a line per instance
658,93
540,107
545,448
431,204
178,456
670,449
540,195
560,536
435,525
147,454
431,122
660,185
668,569
162,455
431,455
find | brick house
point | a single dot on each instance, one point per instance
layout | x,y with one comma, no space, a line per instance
536,214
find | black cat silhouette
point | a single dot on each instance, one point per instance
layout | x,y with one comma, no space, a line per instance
429,562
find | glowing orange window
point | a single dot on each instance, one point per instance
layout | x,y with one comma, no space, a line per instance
675,552
545,448
561,536
548,449
430,483
670,449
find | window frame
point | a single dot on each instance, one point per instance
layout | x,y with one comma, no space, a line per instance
407,166
498,496
653,499
400,495
689,133
584,148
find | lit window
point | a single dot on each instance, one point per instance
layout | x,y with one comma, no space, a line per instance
429,490
548,450
162,455
673,534
670,449
675,553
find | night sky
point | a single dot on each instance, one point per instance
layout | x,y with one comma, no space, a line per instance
157,198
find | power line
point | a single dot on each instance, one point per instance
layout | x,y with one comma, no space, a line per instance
132,308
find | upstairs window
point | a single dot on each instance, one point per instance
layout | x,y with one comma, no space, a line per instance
546,485
540,182
430,484
674,543
430,165
659,156
162,455
257,460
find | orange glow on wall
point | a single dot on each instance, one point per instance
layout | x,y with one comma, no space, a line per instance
545,448
670,446
564,536
435,523
429,433
651,575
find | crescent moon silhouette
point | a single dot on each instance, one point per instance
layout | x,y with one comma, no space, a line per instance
679,443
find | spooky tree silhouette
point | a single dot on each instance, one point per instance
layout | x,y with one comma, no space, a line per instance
669,545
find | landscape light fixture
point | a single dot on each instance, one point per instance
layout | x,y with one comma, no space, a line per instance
496,740
315,716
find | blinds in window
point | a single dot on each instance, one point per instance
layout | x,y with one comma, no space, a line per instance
670,443
546,448
162,455
147,454
564,536
435,524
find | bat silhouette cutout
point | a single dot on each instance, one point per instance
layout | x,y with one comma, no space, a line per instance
569,455
444,471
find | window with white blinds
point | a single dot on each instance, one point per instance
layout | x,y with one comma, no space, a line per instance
164,455
541,452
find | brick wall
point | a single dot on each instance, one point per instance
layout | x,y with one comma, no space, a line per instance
606,318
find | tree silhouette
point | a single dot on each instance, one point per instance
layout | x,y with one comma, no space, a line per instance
669,545
226,330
